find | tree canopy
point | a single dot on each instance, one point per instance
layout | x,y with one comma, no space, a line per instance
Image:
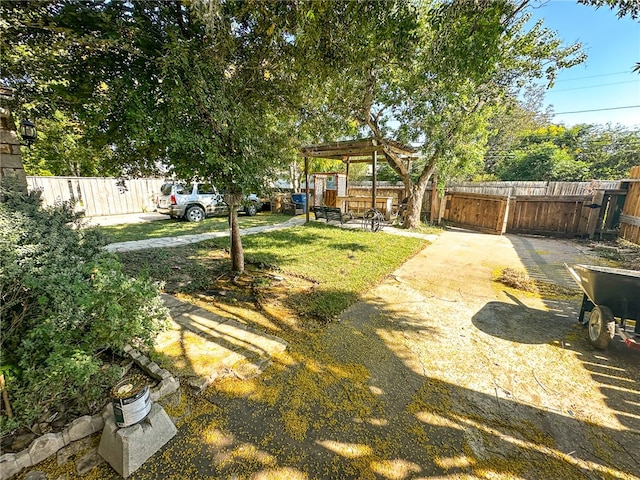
559,153
456,63
624,7
228,90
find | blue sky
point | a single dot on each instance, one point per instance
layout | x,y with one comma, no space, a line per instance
605,80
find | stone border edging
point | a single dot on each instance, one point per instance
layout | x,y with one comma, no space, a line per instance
49,444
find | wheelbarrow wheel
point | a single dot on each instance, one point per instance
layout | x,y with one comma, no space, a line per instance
601,327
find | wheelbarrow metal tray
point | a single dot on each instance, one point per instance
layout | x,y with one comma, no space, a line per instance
616,288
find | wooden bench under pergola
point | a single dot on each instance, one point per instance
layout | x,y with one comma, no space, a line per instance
367,150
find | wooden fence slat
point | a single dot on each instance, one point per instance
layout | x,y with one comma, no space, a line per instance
629,230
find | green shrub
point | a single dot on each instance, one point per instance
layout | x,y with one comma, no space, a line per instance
64,302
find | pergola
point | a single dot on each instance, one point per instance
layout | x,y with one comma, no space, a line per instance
366,150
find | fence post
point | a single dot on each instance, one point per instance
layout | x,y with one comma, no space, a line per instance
594,216
507,211
443,205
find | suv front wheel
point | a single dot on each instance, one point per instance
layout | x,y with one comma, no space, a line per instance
251,210
194,214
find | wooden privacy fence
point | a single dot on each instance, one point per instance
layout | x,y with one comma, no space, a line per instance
514,189
630,218
561,216
545,208
482,212
550,215
99,195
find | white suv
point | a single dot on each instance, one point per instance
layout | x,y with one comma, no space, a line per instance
198,200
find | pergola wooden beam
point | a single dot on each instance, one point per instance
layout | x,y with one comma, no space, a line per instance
366,150
355,151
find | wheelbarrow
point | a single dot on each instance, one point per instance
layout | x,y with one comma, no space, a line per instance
612,295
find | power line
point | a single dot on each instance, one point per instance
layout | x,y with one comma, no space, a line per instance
597,110
592,76
594,86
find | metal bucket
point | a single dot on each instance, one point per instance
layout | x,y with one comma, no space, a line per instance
131,403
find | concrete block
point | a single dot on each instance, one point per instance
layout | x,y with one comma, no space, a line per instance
9,136
70,451
11,161
107,412
153,368
97,423
45,446
164,373
8,466
80,428
66,439
126,449
135,354
23,459
166,387
143,361
199,384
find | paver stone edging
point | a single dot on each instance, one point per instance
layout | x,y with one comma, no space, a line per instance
49,444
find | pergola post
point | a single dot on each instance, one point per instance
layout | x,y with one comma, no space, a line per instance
346,183
306,187
375,175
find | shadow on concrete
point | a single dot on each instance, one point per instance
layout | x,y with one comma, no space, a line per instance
353,402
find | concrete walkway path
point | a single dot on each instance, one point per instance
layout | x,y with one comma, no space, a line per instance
177,241
165,242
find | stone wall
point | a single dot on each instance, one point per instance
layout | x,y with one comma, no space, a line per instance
10,158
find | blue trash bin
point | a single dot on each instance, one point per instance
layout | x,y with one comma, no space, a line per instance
300,199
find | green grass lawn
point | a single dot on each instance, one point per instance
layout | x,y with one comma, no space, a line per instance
344,263
174,228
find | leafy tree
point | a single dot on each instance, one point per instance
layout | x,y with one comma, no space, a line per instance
610,151
219,89
625,7
62,149
159,83
542,161
456,61
509,120
570,154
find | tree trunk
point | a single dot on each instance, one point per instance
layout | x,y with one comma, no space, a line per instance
234,200
416,196
295,176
